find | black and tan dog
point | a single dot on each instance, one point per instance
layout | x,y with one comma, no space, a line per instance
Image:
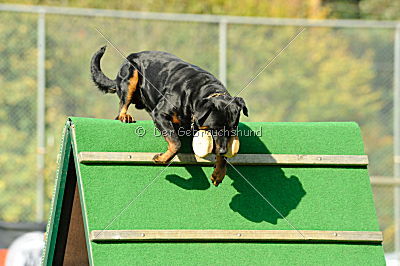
175,94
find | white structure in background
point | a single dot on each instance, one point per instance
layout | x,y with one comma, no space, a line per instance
26,250
392,259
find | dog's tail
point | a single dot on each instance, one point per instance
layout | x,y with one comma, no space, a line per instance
104,84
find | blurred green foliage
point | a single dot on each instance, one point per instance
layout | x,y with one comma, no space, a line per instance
270,8
327,74
346,9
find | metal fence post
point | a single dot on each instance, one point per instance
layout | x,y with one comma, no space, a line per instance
222,51
396,134
40,126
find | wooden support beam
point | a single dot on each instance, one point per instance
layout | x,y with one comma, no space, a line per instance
236,235
385,181
240,159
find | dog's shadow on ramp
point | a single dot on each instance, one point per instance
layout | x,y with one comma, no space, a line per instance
265,193
197,180
270,196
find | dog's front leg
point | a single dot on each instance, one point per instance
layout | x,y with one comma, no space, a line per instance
167,130
219,170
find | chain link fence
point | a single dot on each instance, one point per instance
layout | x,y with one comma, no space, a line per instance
332,72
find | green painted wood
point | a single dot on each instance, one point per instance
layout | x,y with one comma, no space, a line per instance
81,192
58,194
309,198
331,138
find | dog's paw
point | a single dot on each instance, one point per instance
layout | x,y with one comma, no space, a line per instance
161,158
217,176
126,118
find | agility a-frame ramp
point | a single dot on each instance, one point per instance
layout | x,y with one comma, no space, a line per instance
297,193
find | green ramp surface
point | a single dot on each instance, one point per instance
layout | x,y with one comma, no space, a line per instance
128,197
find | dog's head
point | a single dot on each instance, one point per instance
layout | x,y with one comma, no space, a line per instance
220,115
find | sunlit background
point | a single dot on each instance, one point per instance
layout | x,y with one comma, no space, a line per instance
342,67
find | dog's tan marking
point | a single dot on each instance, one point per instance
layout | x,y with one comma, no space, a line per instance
123,116
219,170
169,154
133,81
203,128
175,119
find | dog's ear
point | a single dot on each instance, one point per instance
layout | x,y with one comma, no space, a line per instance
240,102
203,110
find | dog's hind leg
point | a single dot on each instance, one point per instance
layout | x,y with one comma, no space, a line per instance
127,98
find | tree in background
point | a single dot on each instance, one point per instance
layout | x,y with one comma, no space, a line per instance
380,9
270,8
347,9
363,9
